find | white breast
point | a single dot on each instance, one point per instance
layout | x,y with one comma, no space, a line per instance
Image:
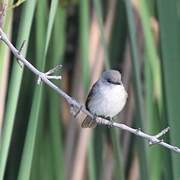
108,100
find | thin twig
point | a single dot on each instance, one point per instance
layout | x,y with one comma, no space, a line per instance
160,134
164,131
74,104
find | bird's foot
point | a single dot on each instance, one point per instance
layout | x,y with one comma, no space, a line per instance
111,122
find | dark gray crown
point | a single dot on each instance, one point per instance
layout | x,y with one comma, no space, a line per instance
112,76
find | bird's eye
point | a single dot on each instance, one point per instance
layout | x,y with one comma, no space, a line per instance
114,82
109,81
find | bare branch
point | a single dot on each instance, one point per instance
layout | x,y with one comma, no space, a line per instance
152,139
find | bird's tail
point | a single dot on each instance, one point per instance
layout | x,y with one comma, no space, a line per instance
88,122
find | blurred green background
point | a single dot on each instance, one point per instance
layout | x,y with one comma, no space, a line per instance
40,138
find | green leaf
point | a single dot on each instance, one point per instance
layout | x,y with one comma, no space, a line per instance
153,90
142,150
29,146
15,83
170,51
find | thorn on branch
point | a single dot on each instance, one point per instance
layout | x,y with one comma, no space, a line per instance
54,70
163,132
49,73
54,77
21,47
19,52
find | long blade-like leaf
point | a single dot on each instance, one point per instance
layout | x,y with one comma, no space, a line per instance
15,83
170,49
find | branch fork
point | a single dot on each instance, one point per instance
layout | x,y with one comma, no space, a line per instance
157,136
49,74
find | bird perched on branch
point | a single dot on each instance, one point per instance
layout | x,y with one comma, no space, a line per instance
106,98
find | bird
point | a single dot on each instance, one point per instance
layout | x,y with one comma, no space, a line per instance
106,98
